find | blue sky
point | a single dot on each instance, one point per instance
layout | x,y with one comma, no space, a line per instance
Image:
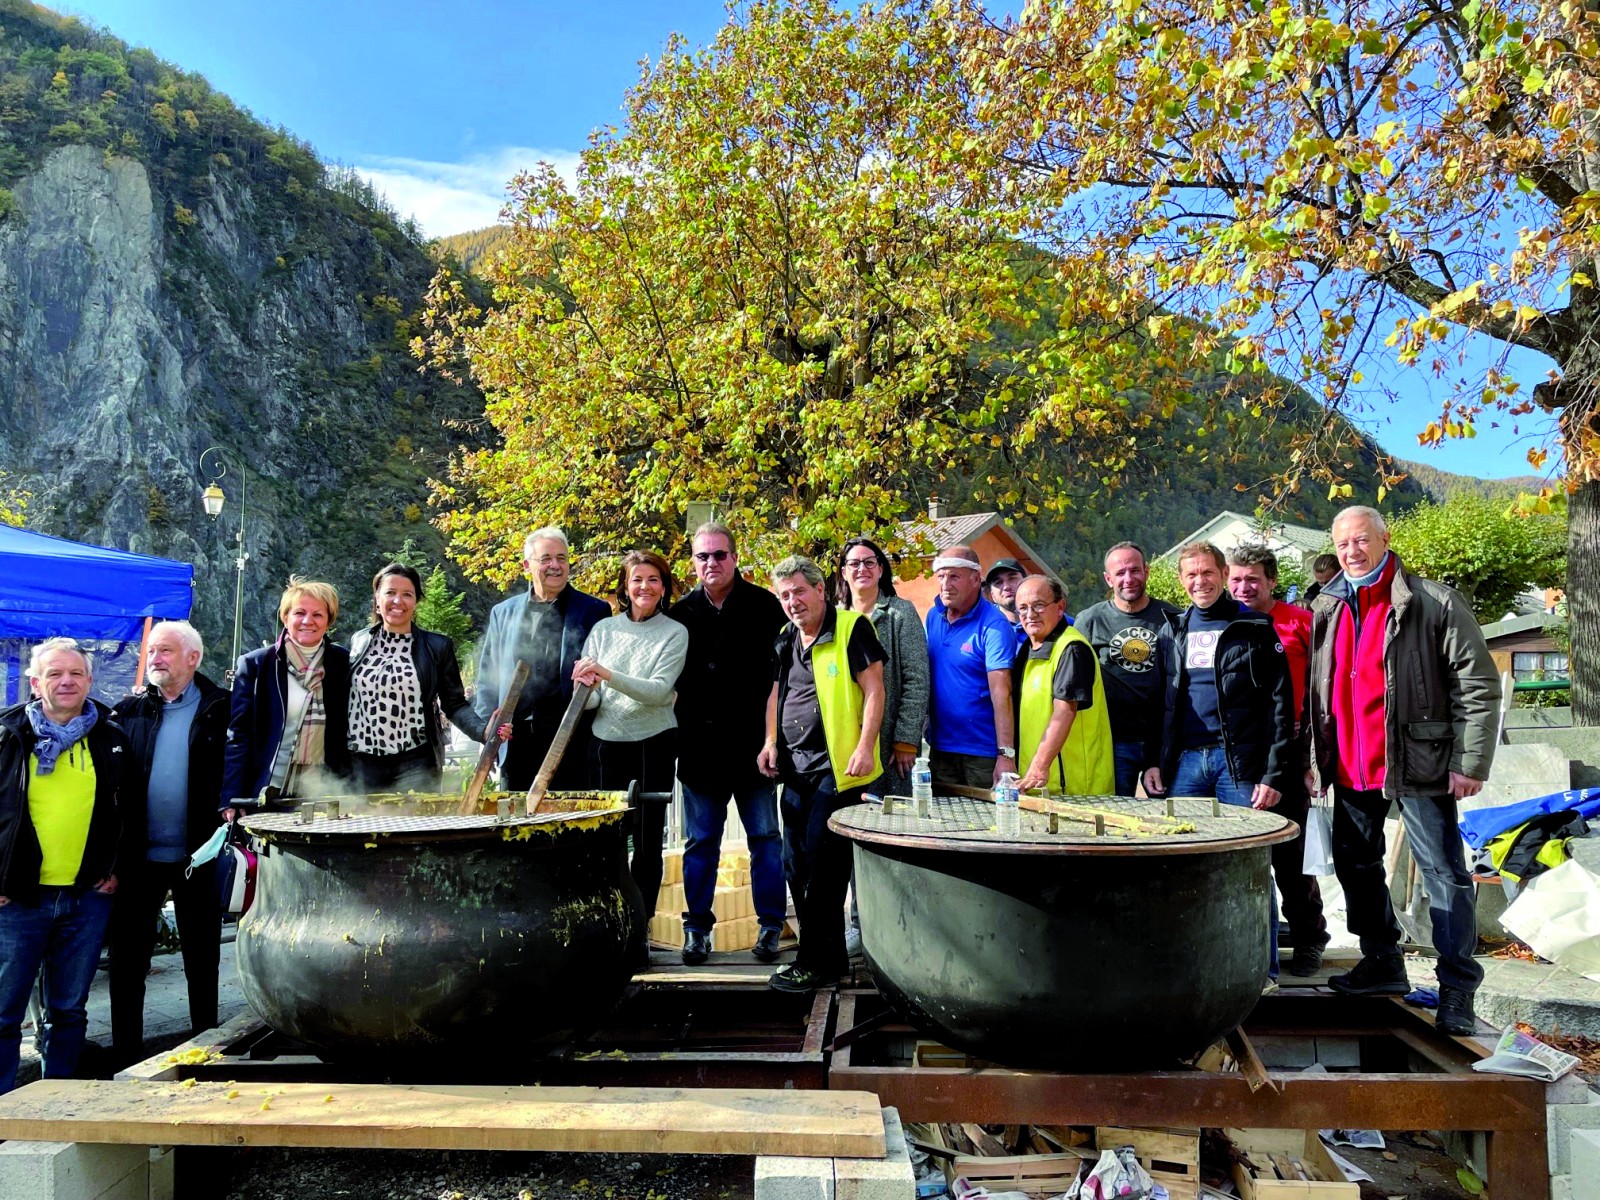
439,104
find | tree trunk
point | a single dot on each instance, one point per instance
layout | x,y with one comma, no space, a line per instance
1583,601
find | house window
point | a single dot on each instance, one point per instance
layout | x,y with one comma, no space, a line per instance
1538,664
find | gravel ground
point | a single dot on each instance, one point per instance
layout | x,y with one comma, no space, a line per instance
274,1174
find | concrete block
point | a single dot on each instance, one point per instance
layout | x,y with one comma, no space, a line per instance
1561,1121
888,1178
1286,1052
73,1171
163,1176
1520,771
1569,1089
1339,1053
1561,1187
1585,1154
782,1178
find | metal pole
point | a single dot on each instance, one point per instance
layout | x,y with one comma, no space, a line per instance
238,587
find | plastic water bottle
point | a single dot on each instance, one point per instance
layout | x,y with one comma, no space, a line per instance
922,786
1008,813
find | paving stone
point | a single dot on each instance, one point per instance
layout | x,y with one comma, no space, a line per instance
1543,995
73,1171
1585,1155
782,1178
889,1178
1562,1120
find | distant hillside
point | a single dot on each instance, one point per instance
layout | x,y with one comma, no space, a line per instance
1441,485
470,249
174,275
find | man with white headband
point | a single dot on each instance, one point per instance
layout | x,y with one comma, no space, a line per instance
970,649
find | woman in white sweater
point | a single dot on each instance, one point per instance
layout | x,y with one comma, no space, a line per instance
633,661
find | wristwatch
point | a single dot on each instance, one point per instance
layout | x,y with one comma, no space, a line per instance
1008,751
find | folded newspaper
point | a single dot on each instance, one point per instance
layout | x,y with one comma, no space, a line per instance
1518,1053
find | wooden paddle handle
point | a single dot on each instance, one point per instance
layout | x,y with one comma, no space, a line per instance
558,747
491,745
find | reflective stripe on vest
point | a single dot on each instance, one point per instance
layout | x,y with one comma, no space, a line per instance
842,703
1085,766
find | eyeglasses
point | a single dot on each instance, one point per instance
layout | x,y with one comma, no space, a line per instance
859,564
1028,610
545,560
704,556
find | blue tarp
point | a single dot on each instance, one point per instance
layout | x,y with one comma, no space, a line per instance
50,587
1482,824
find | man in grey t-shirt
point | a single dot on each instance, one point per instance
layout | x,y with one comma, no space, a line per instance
1123,631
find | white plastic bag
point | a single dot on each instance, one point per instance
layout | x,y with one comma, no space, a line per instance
1319,838
1558,914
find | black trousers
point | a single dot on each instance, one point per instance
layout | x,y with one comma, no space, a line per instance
652,763
530,739
413,771
816,862
1302,896
134,913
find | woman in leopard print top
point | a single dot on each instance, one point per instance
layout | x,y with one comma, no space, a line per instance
401,675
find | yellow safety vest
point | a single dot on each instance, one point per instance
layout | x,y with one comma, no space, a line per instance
1085,766
842,702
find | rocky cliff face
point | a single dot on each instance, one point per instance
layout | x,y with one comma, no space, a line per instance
135,334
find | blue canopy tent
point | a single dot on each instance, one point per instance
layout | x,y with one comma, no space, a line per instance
50,587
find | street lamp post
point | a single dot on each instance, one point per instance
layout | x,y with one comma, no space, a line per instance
213,498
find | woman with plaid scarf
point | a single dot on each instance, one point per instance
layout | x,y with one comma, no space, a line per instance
288,733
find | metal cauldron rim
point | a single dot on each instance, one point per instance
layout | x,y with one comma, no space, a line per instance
368,824
1252,828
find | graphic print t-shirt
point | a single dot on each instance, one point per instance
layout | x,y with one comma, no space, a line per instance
1126,646
1198,714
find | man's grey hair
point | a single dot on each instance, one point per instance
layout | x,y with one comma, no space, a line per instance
186,633
1362,510
48,647
1057,593
543,533
1255,554
715,529
798,564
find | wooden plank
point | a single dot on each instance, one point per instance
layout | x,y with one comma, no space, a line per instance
1165,1145
205,1047
804,1124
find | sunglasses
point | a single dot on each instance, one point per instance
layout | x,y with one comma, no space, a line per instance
704,556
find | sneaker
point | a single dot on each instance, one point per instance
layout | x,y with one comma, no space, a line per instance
1380,975
1455,1012
1307,960
696,947
766,947
795,978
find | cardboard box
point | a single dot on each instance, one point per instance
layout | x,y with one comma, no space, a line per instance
1264,1183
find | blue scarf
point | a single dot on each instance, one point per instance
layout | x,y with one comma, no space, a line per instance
53,738
1371,577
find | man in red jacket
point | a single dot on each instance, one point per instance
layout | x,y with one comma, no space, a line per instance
1252,576
1403,708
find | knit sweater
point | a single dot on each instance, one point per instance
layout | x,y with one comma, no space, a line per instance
645,659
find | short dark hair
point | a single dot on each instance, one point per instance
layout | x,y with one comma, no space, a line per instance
1325,562
405,570
841,585
1134,546
1255,554
715,529
1202,550
638,558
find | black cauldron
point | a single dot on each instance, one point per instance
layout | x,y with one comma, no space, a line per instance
1070,950
372,933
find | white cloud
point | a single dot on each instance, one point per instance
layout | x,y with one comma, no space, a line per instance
454,197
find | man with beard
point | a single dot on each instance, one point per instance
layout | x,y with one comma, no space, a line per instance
1123,632
1000,585
178,727
544,627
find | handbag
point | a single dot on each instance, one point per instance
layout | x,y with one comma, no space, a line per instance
1319,839
236,867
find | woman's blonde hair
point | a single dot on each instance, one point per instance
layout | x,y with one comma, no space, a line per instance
325,593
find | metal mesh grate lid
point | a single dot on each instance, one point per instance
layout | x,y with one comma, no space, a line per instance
390,819
1125,826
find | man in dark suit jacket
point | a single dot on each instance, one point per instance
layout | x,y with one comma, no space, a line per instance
178,727
544,627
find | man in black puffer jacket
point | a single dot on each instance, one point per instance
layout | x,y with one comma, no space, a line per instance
178,727
1227,728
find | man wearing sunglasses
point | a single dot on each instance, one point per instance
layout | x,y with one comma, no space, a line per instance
722,710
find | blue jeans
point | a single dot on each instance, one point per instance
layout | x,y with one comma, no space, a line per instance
62,931
1128,761
1205,773
816,862
1435,842
705,813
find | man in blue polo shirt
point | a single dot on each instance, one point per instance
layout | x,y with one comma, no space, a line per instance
970,649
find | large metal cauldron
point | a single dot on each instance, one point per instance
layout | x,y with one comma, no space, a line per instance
1070,950
372,933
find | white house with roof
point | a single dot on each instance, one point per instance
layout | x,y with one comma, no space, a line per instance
1227,529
